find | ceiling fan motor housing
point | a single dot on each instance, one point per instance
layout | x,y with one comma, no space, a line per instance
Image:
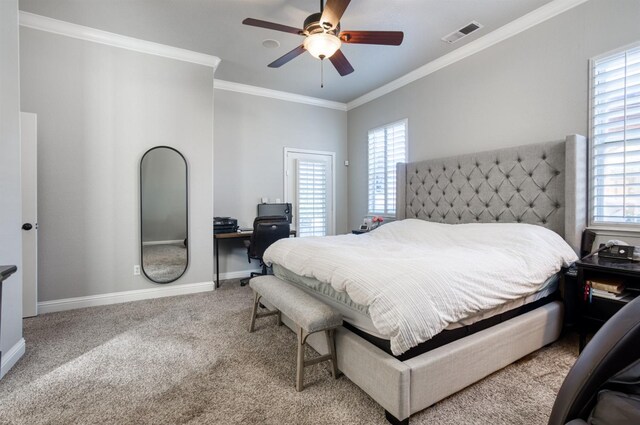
312,26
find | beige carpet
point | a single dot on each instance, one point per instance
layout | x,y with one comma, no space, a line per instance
190,360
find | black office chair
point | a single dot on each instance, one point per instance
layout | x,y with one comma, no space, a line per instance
603,386
266,230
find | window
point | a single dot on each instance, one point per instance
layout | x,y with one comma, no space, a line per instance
615,138
387,147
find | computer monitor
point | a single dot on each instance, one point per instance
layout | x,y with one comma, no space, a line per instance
275,209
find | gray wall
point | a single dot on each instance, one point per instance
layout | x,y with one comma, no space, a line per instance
251,133
530,88
164,198
99,110
10,195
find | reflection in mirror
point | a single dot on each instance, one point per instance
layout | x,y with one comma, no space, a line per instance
163,214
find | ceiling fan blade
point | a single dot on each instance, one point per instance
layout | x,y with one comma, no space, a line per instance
271,26
333,11
287,57
390,38
341,63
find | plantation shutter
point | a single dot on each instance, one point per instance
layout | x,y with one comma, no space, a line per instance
387,147
615,138
312,197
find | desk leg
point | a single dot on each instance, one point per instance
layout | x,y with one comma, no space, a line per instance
217,285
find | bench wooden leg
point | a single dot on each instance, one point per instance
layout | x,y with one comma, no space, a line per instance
256,301
331,343
300,370
255,315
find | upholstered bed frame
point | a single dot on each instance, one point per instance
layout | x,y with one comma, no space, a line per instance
542,184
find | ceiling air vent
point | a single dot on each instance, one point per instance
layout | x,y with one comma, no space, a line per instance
462,32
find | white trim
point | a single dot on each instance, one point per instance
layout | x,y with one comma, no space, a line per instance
601,225
11,357
276,94
590,146
122,297
523,23
55,26
332,230
616,231
405,121
178,241
616,50
241,274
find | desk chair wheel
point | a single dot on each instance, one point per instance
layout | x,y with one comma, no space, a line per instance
244,281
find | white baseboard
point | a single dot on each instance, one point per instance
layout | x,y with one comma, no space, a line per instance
122,297
237,275
11,357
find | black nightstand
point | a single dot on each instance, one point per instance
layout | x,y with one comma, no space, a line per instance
358,231
594,311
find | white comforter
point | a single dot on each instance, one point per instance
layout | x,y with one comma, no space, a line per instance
418,277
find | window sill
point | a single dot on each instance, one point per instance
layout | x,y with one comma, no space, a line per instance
613,229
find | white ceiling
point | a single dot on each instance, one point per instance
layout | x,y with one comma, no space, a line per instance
215,27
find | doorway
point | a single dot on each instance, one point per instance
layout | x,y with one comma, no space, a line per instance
309,178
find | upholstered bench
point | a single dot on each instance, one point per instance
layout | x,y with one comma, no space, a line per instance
309,314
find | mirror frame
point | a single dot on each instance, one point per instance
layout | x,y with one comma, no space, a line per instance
186,179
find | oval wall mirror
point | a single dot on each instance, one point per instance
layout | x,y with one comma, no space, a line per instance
164,214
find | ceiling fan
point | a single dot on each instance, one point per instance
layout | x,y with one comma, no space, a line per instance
323,37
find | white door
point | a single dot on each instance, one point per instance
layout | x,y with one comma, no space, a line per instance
29,163
309,180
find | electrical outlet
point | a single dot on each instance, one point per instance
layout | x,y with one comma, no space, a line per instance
136,270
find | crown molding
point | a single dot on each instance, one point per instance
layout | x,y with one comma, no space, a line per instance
55,26
517,26
276,94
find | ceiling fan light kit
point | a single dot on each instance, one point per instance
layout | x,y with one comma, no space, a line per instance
322,45
323,37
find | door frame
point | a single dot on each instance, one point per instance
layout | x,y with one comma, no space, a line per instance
285,174
29,153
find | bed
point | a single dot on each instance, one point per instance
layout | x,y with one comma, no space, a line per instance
542,185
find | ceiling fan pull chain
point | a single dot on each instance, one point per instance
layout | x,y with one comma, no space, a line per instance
321,74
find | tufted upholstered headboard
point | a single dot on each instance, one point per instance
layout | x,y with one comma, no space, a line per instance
543,184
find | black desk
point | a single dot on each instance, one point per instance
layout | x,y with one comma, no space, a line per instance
226,236
595,312
5,272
